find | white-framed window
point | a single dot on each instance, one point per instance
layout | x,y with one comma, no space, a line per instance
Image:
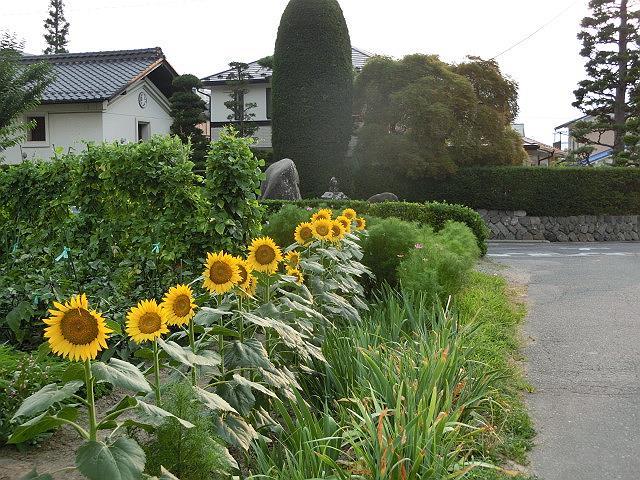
143,128
39,134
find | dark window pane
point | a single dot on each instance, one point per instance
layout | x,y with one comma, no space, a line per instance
39,132
268,102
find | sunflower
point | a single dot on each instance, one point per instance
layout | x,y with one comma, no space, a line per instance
292,259
304,233
221,272
337,231
350,213
74,331
244,271
179,305
361,223
252,286
264,255
297,274
346,223
322,229
146,321
322,214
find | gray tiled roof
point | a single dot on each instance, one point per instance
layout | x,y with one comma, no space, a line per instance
95,76
257,72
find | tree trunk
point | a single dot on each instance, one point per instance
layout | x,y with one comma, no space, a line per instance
619,106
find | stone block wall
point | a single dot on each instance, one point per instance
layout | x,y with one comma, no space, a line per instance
517,225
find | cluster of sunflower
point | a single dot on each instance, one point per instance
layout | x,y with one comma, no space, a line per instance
325,228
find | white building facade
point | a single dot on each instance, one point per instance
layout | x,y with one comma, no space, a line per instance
98,97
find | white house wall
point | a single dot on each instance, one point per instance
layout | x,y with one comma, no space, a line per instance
121,116
68,126
262,136
257,93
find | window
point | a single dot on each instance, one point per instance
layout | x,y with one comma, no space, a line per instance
39,132
144,130
269,102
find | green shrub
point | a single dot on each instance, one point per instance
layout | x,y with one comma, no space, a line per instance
312,90
441,263
20,376
282,224
433,214
388,242
188,453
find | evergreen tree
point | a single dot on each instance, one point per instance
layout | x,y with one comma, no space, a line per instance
57,28
21,87
241,114
188,111
610,44
312,92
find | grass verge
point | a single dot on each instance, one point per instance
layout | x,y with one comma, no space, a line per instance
490,303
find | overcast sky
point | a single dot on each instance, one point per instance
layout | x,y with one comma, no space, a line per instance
203,36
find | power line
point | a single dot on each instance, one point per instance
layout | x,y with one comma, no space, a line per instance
536,31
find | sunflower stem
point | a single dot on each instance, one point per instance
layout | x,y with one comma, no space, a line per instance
91,403
192,344
156,373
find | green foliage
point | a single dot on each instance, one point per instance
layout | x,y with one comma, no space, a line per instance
281,224
241,111
233,187
389,240
22,84
188,111
425,118
433,214
312,90
610,45
20,376
440,263
56,28
190,454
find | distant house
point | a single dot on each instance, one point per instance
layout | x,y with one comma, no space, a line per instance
99,96
259,92
539,154
600,154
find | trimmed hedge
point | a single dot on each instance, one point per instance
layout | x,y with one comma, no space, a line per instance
555,192
434,214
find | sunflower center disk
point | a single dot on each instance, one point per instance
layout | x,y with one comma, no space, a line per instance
79,327
335,231
265,255
306,233
322,230
182,306
243,274
150,323
220,273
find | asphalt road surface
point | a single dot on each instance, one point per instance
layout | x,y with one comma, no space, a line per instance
583,356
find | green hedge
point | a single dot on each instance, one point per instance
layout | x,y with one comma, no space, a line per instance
536,190
434,214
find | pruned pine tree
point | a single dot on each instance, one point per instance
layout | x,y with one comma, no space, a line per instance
56,28
241,111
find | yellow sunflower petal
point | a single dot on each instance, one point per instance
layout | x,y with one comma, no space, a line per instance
322,229
179,305
221,272
304,233
264,255
147,321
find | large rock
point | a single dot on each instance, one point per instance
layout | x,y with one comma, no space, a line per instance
282,181
383,197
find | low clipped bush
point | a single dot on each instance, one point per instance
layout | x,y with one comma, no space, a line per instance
439,265
433,214
281,224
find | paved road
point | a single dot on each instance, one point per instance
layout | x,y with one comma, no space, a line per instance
583,357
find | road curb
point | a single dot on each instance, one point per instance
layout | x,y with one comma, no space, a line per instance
520,241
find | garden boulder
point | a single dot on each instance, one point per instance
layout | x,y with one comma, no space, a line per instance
383,197
282,181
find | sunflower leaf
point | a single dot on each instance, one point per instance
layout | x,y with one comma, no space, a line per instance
45,397
207,316
235,430
34,475
213,400
121,374
40,424
185,356
121,460
256,386
239,396
248,354
156,416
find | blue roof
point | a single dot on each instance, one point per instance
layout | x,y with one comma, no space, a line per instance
98,76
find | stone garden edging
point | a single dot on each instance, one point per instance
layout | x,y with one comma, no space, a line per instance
517,225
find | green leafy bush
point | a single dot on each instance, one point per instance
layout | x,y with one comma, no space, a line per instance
389,240
190,454
439,264
433,214
281,224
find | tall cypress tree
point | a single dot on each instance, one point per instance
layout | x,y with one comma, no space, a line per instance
610,44
56,28
312,91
